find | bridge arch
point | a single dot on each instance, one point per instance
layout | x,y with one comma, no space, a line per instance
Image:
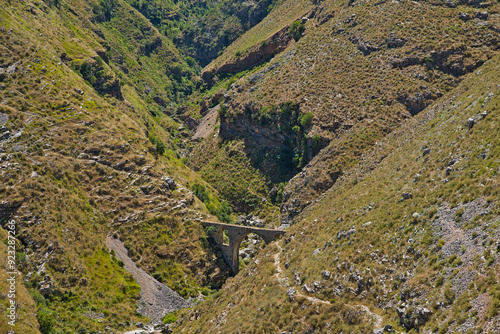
236,235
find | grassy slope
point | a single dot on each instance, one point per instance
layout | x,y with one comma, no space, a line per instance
202,30
25,309
401,250
282,15
204,156
85,165
356,97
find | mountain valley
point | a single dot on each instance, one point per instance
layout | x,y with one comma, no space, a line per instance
366,130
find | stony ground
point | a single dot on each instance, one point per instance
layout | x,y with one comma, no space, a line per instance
207,124
157,299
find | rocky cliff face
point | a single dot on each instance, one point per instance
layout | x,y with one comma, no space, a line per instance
241,127
276,139
257,55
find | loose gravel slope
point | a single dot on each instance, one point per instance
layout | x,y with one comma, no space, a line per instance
157,299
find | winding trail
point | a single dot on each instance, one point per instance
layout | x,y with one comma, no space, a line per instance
156,299
278,275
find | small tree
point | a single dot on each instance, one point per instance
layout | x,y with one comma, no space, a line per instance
297,29
306,119
45,320
160,147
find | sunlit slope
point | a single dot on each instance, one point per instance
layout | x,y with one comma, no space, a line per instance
86,151
407,234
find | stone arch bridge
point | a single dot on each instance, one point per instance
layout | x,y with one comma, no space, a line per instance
236,234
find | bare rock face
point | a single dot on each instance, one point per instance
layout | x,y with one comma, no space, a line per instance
413,318
46,286
241,126
7,209
169,182
257,55
3,118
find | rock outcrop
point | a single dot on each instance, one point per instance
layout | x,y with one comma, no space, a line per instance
413,318
258,54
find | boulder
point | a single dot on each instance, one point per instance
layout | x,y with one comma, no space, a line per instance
481,15
395,42
406,196
411,318
169,183
385,329
470,123
464,16
326,274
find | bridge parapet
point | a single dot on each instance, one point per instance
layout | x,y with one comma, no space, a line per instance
236,234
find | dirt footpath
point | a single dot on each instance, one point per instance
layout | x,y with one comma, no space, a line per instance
157,299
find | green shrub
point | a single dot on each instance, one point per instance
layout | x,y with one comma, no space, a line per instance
104,11
495,301
159,145
45,320
224,212
297,29
439,281
20,257
306,119
191,62
432,211
210,230
230,82
201,192
315,142
160,148
449,294
158,276
37,297
169,318
278,198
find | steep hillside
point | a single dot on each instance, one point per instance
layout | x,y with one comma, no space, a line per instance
407,237
360,69
87,151
25,310
367,129
203,29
